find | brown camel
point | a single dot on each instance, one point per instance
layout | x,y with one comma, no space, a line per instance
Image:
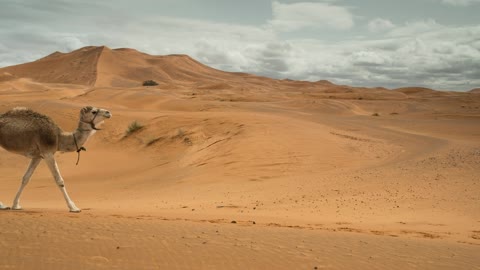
36,136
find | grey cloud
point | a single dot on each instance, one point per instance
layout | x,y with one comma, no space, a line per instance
434,59
423,52
380,25
460,2
271,59
212,55
294,16
369,58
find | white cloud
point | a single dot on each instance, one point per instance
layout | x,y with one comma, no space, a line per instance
460,2
291,17
370,58
415,28
221,56
380,25
71,42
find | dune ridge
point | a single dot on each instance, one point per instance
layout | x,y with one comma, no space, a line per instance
235,171
100,66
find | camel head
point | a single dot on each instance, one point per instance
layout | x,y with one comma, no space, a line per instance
94,116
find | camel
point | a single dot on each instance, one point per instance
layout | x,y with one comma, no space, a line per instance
36,136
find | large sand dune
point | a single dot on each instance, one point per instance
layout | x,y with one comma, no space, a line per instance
236,171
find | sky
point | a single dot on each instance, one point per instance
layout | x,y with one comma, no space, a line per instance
389,43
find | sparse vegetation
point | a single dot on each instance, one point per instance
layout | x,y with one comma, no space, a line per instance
180,134
133,127
375,114
149,83
153,140
187,141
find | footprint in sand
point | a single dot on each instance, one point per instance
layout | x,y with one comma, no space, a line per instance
98,260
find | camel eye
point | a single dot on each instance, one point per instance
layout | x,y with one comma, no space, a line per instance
94,112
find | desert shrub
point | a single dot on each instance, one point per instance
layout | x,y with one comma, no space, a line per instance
180,134
187,141
149,83
133,127
153,140
375,114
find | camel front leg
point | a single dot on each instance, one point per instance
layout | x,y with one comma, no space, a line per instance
3,207
26,178
52,165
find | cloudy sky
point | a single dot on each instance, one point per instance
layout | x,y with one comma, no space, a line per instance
391,43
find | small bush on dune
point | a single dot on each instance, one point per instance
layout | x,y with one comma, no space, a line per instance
150,83
180,133
133,127
183,136
152,141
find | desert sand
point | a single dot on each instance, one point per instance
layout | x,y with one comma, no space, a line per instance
236,171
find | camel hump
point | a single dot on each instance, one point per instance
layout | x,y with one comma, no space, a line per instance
22,121
23,114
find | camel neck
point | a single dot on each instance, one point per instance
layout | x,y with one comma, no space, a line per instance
82,135
83,126
72,141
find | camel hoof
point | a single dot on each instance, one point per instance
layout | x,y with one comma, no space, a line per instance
17,208
77,210
3,207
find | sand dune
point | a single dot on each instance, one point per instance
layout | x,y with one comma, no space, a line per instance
236,171
104,67
77,67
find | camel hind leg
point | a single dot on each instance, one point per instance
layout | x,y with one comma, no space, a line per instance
52,165
26,178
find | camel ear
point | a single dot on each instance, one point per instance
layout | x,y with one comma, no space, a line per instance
86,109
